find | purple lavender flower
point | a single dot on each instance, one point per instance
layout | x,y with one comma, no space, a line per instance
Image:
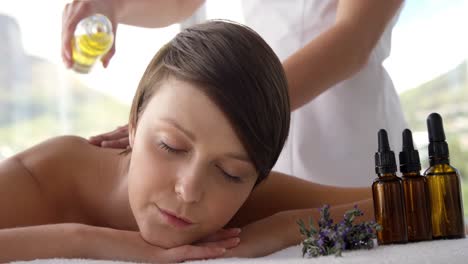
334,238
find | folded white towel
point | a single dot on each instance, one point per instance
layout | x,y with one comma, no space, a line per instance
440,251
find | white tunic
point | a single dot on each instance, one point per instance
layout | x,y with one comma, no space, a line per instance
333,138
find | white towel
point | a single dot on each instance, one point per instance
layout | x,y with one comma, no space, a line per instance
440,251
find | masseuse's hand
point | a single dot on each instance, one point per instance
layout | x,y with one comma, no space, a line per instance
114,139
262,238
77,10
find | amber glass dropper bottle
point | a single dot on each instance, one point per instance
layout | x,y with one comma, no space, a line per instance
444,185
417,203
387,191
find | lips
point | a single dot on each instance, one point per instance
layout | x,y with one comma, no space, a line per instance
175,220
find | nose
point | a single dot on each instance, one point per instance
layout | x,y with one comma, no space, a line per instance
190,186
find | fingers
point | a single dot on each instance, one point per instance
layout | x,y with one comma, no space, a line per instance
122,127
114,139
72,14
118,133
189,252
224,238
221,235
119,144
227,243
106,58
67,30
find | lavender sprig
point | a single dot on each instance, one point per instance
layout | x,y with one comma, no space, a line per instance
333,238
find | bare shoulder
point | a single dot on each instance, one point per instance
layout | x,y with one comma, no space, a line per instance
32,183
58,165
56,147
56,156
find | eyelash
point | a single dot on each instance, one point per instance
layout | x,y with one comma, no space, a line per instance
228,176
169,149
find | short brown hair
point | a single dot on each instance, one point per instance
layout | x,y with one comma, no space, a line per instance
237,69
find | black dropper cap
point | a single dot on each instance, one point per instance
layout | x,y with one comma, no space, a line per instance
384,157
409,157
438,148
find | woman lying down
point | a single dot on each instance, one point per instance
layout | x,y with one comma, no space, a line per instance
207,123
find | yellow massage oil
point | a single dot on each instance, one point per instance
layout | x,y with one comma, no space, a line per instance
93,38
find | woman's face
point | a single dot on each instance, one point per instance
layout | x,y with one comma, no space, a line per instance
189,173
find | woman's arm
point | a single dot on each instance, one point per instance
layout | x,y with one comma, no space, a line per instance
155,13
276,232
142,13
83,241
269,216
43,241
281,192
339,52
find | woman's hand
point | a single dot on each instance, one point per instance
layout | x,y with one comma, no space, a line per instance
107,243
77,10
226,238
114,139
263,237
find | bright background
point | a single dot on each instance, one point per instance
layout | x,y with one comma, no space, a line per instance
430,36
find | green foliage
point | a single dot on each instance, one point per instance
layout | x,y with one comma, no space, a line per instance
447,95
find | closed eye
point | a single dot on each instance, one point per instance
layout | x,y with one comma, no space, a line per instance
170,149
230,177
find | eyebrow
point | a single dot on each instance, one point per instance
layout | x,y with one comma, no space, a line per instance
238,157
179,127
189,134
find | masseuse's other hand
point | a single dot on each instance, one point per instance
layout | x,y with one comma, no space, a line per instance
114,139
77,10
262,238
